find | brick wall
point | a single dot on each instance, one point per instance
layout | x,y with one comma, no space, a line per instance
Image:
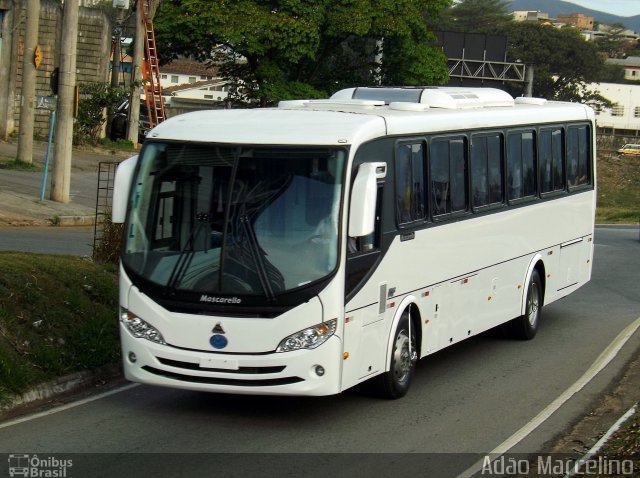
92,61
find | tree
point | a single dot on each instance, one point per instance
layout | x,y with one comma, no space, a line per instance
475,16
613,43
95,98
270,50
565,63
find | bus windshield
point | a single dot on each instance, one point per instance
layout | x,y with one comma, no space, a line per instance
233,220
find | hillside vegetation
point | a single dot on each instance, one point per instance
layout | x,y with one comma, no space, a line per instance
618,189
58,315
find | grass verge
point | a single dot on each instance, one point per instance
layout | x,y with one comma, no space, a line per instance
57,316
14,164
618,189
624,444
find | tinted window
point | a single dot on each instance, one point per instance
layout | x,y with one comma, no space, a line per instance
410,183
448,176
521,165
578,156
486,170
551,160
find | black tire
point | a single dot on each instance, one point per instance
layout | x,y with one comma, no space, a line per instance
396,382
526,326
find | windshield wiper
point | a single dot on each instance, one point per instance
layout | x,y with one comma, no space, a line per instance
185,257
258,258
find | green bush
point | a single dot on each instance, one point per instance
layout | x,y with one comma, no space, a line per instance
95,99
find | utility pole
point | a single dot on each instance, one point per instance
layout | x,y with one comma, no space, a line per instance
61,172
529,79
115,63
28,89
136,74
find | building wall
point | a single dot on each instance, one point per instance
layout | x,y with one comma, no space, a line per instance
94,42
624,117
168,79
580,20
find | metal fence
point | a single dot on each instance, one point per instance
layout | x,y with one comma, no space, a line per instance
104,197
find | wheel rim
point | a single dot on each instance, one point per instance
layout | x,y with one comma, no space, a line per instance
533,304
402,362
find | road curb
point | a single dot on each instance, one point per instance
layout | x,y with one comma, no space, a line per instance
59,386
70,221
603,441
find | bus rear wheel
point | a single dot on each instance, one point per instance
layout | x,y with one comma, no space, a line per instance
526,326
396,382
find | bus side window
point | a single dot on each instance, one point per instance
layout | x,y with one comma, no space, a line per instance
449,172
578,156
551,160
410,179
486,170
521,165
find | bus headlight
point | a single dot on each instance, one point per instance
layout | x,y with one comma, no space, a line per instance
309,338
139,328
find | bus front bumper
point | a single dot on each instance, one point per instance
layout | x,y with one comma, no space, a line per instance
302,372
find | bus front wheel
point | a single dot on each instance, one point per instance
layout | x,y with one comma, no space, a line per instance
396,382
526,326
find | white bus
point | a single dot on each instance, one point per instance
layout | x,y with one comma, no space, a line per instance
308,248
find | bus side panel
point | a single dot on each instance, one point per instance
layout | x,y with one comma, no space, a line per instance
366,332
471,275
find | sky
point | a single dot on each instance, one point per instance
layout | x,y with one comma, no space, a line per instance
624,8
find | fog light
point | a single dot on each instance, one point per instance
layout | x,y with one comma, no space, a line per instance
319,370
132,357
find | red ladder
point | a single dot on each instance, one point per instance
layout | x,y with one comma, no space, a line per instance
151,72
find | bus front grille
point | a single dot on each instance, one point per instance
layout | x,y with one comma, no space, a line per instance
268,382
241,370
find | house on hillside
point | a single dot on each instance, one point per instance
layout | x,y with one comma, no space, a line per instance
183,71
194,96
531,16
631,66
578,20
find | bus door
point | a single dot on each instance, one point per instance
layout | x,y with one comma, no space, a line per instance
365,339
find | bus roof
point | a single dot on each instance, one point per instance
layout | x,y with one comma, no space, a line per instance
344,120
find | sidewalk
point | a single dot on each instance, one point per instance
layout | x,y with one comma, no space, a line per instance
20,191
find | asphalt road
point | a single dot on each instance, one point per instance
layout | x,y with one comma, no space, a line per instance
73,241
464,402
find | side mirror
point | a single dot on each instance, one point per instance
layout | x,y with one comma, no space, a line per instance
122,188
364,193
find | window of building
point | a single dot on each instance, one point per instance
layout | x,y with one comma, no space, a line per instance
174,78
449,176
617,110
636,112
578,156
203,77
521,165
410,182
487,183
163,77
192,79
551,160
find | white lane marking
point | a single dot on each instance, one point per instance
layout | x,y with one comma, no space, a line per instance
66,406
600,363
